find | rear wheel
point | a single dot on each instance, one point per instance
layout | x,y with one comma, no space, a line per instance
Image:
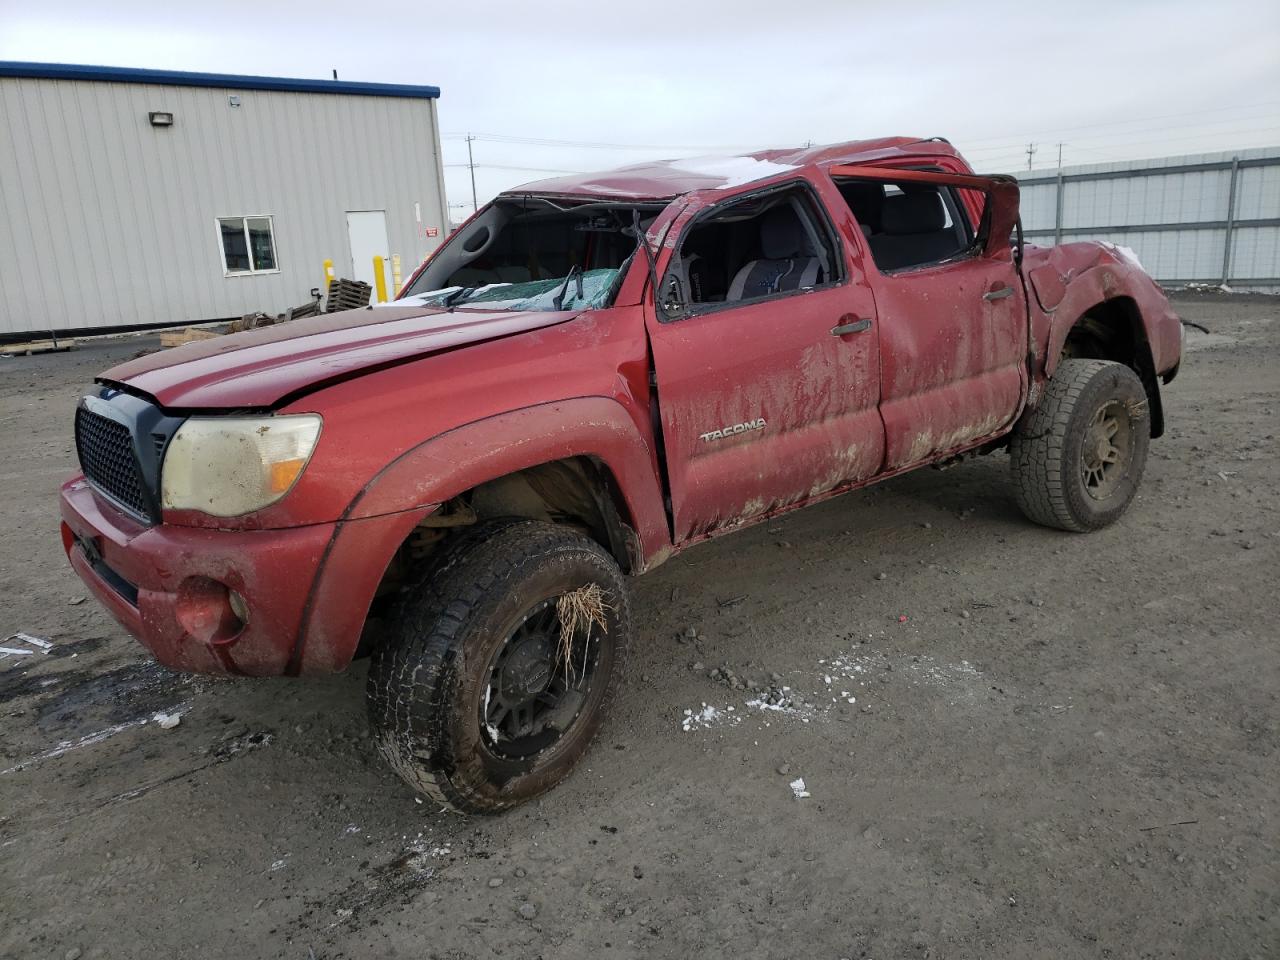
501,665
1078,459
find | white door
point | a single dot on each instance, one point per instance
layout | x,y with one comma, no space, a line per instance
367,232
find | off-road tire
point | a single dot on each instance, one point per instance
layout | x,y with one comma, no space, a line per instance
1051,447
428,677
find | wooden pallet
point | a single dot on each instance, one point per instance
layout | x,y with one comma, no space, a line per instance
347,295
176,338
37,346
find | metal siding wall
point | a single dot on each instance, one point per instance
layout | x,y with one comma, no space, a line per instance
109,221
1169,198
1255,253
1181,254
1258,192
1038,205
1099,198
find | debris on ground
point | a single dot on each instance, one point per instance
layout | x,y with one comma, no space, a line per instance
10,646
176,338
252,321
798,789
30,347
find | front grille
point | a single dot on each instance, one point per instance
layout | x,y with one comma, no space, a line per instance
106,457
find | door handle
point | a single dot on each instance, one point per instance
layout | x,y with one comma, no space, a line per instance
852,326
998,294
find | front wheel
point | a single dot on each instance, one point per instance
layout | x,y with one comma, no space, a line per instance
1078,458
501,666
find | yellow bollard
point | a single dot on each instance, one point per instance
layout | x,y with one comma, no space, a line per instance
328,274
395,273
379,280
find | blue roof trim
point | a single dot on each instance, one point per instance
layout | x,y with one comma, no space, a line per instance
232,81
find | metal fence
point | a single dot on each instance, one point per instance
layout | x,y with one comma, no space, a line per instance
1203,219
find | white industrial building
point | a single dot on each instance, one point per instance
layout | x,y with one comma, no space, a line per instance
133,198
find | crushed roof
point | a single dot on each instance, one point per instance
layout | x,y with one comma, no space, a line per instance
665,179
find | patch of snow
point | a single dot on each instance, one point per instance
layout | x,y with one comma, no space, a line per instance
708,717
962,677
734,171
1124,253
493,731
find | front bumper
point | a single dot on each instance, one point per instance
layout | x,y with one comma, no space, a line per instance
307,589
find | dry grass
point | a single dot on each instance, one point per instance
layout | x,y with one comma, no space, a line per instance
579,610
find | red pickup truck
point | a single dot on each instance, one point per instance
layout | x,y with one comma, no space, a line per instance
592,374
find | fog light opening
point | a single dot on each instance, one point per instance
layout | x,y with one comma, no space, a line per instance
207,612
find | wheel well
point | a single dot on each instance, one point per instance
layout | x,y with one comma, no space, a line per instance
578,492
1113,330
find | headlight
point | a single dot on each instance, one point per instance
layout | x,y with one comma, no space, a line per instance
229,466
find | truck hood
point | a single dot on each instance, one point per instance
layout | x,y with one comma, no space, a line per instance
260,368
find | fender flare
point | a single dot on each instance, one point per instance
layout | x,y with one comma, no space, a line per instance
408,488
466,456
1094,288
1083,293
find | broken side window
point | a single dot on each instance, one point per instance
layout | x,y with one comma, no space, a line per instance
908,224
761,246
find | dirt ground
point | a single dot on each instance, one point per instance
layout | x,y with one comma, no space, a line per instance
1068,747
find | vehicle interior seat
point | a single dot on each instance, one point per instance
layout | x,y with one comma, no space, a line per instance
913,231
787,260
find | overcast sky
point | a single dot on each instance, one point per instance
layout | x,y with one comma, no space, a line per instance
1110,80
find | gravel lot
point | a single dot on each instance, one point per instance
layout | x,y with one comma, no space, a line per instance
1017,743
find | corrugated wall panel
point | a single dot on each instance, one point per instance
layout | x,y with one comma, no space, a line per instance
1099,198
110,221
1255,254
1039,206
1258,193
1167,198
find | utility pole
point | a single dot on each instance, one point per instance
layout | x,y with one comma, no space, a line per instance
472,164
1059,156
1031,152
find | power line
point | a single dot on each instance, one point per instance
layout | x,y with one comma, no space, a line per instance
996,141
1087,143
504,166
592,145
1119,123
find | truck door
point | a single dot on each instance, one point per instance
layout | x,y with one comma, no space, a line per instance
952,313
765,356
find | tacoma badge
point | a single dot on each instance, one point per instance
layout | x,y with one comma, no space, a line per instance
757,424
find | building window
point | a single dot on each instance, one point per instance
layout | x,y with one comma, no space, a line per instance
248,245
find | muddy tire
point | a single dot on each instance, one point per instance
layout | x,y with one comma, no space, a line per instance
1078,458
500,665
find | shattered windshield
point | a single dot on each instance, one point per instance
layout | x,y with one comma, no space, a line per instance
530,295
530,253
